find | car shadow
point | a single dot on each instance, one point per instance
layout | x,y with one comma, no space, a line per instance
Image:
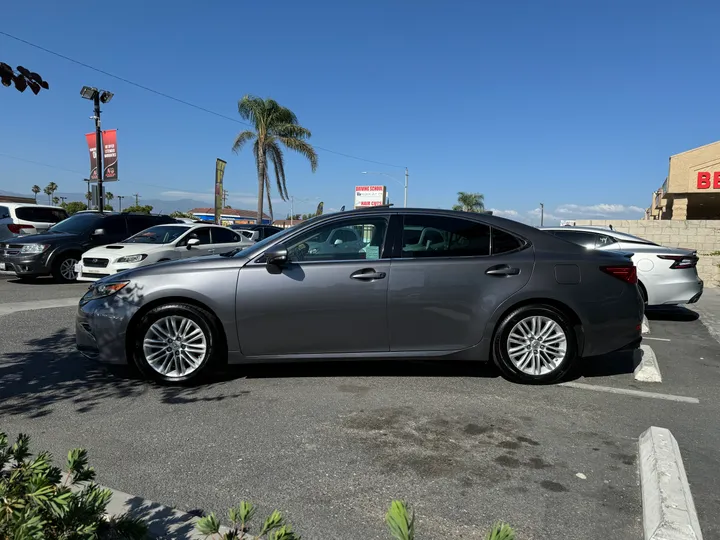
671,313
606,365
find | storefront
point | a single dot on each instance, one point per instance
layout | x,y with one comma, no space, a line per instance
229,216
692,188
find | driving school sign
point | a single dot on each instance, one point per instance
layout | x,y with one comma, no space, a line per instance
370,196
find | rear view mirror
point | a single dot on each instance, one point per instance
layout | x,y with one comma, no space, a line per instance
277,256
99,232
193,242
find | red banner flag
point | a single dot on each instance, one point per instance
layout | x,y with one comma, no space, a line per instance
90,137
110,159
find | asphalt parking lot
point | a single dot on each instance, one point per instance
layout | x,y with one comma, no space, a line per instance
331,444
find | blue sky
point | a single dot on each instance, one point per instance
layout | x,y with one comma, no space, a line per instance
574,104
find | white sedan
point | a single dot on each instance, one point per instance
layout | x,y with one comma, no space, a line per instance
157,244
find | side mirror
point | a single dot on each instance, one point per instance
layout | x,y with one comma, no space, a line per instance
99,232
193,242
277,257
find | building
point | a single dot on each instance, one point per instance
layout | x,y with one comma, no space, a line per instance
13,199
691,190
230,216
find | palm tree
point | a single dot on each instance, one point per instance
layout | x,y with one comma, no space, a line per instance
274,126
36,189
50,190
470,202
109,197
55,200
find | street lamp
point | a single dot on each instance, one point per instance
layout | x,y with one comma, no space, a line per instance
396,179
97,97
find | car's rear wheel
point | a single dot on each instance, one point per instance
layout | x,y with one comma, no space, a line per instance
535,344
176,343
63,270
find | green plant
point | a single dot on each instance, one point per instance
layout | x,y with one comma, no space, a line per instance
139,208
179,214
73,207
399,519
36,503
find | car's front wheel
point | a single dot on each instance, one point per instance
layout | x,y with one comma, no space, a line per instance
535,344
176,343
63,270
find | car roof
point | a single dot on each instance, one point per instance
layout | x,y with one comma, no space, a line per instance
32,205
593,229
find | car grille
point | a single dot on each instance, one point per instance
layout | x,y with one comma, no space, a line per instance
95,263
10,249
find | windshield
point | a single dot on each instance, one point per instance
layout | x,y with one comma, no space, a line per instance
161,234
77,224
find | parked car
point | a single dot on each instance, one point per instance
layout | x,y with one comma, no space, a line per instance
666,276
256,232
488,288
22,219
158,244
56,251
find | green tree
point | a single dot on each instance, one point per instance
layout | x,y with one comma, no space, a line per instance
179,214
109,197
36,189
55,201
274,126
139,209
470,202
74,207
50,191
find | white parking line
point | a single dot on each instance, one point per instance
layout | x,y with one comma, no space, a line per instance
656,338
647,369
628,392
14,307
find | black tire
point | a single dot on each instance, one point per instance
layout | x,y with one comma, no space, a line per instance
214,352
501,355
60,268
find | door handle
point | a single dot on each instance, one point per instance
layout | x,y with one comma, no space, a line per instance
502,270
367,275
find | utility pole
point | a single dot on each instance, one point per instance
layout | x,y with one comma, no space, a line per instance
406,186
542,214
137,196
292,209
120,198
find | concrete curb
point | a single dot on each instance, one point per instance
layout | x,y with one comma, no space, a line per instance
645,325
668,508
648,369
163,522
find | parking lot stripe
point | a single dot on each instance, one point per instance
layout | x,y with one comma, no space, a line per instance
629,392
7,309
657,338
647,369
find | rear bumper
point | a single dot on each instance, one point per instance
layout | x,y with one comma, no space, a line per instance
683,292
602,334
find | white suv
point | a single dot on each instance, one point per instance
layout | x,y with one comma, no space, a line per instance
21,219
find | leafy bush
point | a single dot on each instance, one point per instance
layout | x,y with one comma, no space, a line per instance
399,518
37,504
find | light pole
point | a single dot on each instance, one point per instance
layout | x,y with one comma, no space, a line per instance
97,96
292,206
405,185
120,198
542,213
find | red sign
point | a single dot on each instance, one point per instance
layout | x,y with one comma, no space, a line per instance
703,180
109,140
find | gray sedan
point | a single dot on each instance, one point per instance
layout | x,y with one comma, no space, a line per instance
421,284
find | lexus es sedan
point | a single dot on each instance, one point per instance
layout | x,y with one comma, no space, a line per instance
419,283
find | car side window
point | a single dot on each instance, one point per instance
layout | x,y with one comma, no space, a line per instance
603,240
202,234
4,212
224,236
436,236
114,226
140,223
581,238
504,242
359,238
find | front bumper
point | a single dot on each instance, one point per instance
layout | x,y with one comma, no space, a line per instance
25,264
101,328
86,273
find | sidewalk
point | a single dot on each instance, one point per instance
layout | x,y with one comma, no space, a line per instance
709,309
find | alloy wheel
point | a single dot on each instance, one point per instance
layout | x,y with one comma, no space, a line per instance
537,345
67,269
175,346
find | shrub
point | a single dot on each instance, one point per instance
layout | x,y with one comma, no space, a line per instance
399,518
37,504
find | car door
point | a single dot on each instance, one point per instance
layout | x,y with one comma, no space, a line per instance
224,240
448,276
317,303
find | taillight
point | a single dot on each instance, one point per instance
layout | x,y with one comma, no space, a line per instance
18,229
680,261
626,273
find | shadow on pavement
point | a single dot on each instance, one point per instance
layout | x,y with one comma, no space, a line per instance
671,313
162,521
607,365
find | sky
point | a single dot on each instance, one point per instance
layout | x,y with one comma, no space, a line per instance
576,105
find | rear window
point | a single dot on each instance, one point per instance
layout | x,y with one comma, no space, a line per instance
4,212
40,215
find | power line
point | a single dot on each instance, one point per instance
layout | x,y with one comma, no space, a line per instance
178,100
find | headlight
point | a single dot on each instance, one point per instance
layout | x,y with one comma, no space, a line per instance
102,290
34,248
132,259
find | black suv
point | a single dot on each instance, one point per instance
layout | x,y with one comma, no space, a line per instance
58,250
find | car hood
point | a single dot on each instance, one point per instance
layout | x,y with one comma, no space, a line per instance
207,262
122,250
45,238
